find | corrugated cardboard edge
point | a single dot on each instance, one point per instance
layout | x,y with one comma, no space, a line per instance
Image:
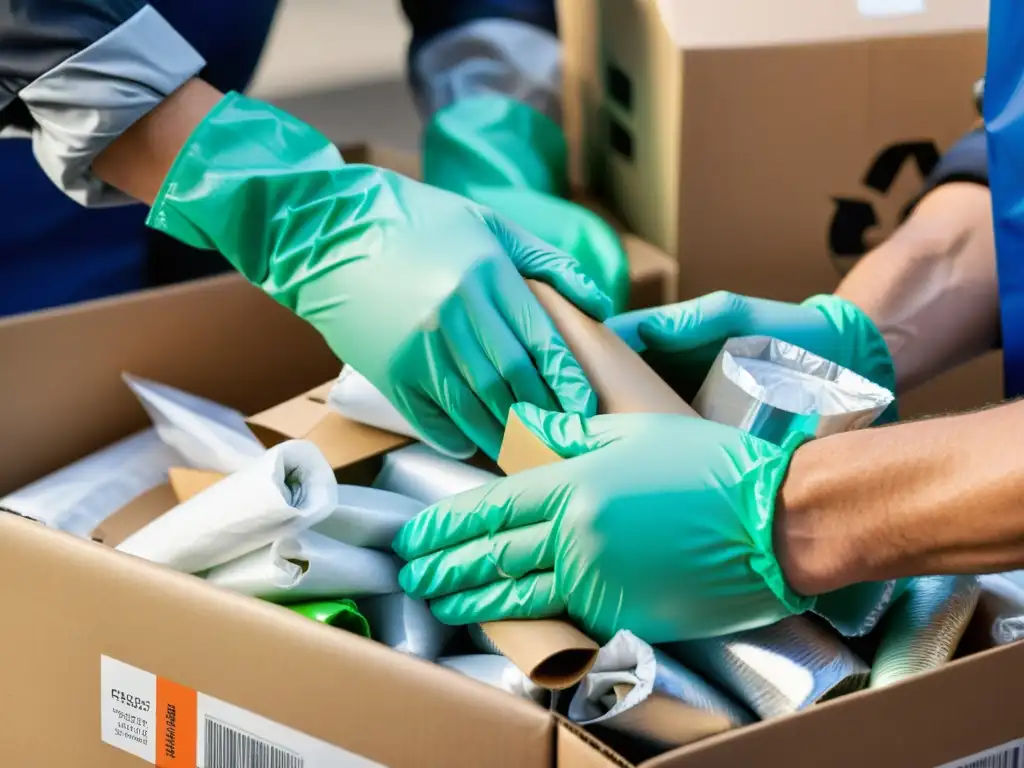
575,748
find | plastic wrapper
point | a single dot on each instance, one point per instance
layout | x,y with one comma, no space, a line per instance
288,489
779,669
355,398
1001,605
643,693
922,630
771,389
368,517
406,625
499,672
422,473
308,566
208,435
80,496
342,614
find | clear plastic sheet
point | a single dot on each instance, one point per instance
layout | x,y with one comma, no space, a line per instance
406,625
643,693
368,517
420,472
923,628
288,489
308,566
498,672
208,435
1002,604
354,397
80,496
779,669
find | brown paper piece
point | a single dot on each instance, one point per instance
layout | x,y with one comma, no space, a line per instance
135,515
553,653
667,721
190,482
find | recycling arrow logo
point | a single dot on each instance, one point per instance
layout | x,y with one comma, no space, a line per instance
855,218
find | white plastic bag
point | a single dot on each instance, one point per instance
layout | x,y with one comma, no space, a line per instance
354,397
498,672
308,566
422,473
208,435
406,625
368,517
288,489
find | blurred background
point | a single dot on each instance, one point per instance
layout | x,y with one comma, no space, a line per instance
340,64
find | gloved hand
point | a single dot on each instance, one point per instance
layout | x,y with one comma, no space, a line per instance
681,341
508,156
420,290
657,524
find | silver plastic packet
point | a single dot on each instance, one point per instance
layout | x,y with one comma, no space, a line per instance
406,625
643,693
779,669
923,628
498,672
1001,604
208,435
80,496
420,472
772,389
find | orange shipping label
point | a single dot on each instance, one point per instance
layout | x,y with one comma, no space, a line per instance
172,726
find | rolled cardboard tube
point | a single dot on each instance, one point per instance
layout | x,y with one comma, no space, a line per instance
553,653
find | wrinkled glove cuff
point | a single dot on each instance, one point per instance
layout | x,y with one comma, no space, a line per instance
867,354
494,141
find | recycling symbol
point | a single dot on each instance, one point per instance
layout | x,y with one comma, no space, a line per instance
854,219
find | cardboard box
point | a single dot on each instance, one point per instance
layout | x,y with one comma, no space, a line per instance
69,603
768,145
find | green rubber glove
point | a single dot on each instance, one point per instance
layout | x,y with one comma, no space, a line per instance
682,340
661,525
420,290
508,156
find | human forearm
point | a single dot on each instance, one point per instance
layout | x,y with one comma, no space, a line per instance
138,160
931,288
935,496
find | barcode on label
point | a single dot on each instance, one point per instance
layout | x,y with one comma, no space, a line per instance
227,747
1006,756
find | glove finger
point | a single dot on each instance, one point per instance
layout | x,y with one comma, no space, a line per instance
627,327
567,434
510,554
461,336
532,597
432,424
553,358
536,259
504,350
513,502
457,399
708,320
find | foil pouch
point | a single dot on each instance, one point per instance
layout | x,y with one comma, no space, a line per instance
776,670
420,472
80,496
208,435
1001,605
922,630
308,566
772,389
643,693
498,672
406,625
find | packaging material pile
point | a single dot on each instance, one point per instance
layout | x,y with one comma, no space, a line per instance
275,524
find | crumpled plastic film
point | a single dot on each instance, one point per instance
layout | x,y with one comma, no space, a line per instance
288,489
922,630
1001,602
208,435
642,692
355,398
80,496
308,566
498,672
420,472
368,517
771,389
406,625
779,669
